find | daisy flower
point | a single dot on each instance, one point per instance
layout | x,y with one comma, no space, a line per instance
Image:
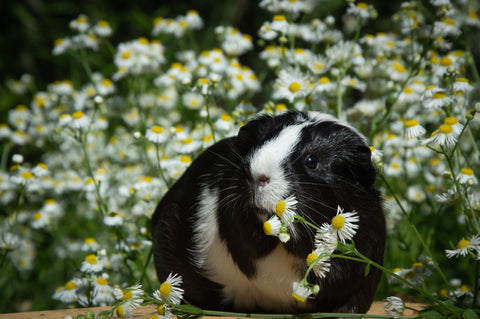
464,246
438,100
170,291
413,129
79,120
343,224
291,85
444,136
466,176
67,293
321,264
279,24
272,227
193,101
361,9
301,292
156,134
453,122
102,292
132,297
462,85
113,219
224,123
92,264
102,28
394,306
285,209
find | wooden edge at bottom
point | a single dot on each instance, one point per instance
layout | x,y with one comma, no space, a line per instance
377,308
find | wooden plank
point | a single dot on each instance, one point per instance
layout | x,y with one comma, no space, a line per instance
146,311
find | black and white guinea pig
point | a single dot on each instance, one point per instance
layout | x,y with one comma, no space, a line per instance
208,227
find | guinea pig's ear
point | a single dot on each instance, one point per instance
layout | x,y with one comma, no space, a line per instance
366,172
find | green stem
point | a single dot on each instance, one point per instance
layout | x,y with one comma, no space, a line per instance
476,288
415,230
364,259
5,151
209,119
82,138
160,169
344,70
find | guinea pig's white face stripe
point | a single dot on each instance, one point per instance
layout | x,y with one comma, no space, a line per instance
266,164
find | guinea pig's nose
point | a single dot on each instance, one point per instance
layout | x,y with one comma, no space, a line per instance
262,180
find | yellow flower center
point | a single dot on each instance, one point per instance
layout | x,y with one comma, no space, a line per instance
90,240
463,244
185,159
77,115
101,281
165,289
91,259
280,208
107,82
126,55
449,21
311,257
161,310
127,294
398,67
338,222
26,175
445,129
439,95
408,90
362,5
467,171
451,120
279,18
445,61
157,129
37,216
267,228
294,87
466,288
143,40
298,298
324,80
70,285
226,118
411,123
103,24
463,80
187,141
120,312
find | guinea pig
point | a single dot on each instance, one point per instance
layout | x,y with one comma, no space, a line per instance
209,225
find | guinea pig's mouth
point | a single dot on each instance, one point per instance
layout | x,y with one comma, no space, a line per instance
263,214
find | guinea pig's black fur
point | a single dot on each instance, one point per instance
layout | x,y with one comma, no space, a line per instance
208,227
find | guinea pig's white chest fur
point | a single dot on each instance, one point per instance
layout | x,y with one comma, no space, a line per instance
270,287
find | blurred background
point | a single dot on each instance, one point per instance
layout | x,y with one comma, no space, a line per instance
28,29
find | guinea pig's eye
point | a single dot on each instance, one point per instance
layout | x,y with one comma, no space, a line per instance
311,162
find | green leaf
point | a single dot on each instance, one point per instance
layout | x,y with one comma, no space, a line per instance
367,270
431,315
470,314
188,309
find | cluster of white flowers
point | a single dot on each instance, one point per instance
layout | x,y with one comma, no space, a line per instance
87,36
341,229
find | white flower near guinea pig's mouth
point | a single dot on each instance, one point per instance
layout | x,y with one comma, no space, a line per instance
342,228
